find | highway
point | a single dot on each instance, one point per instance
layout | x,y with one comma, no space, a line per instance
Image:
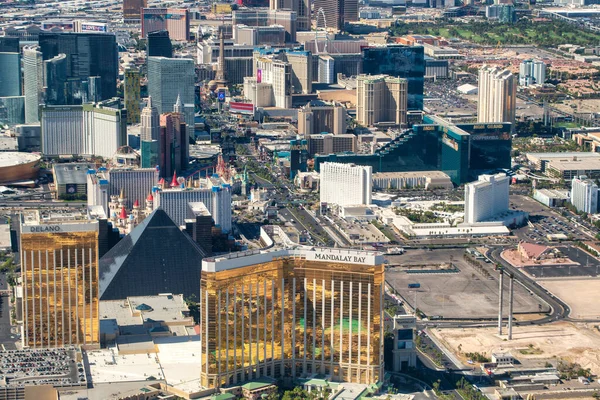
322,232
40,204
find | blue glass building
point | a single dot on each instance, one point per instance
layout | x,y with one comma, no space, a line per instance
461,151
298,156
406,62
10,74
87,54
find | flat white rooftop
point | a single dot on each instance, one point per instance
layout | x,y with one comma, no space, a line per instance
179,357
107,366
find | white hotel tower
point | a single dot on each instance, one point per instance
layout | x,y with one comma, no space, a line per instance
346,184
584,194
486,198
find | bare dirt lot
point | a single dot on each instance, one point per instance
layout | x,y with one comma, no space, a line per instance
531,345
580,294
465,294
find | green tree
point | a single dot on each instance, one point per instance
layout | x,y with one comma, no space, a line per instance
436,387
298,393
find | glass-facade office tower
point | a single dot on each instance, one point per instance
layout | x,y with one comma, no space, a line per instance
12,110
9,44
406,62
169,78
159,44
10,74
292,313
132,95
462,151
87,54
55,78
33,77
59,264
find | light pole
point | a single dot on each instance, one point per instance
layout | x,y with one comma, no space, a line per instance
500,300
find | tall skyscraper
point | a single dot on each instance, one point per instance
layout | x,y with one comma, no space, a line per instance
55,79
335,14
497,95
12,110
261,17
59,268
302,70
87,54
132,95
271,84
584,194
292,313
322,117
173,144
169,78
105,127
532,72
159,44
88,129
381,99
301,7
401,61
149,135
132,10
346,184
174,20
150,119
486,198
9,44
10,74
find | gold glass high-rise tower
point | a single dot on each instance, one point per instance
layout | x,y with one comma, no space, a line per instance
292,313
59,264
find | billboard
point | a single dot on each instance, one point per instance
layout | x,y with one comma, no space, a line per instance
241,108
64,25
258,75
71,188
94,27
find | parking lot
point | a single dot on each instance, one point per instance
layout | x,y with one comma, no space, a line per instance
588,265
545,222
443,98
467,294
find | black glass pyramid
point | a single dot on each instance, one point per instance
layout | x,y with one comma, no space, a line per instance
156,257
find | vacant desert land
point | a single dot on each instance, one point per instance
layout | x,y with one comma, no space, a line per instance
580,294
531,344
